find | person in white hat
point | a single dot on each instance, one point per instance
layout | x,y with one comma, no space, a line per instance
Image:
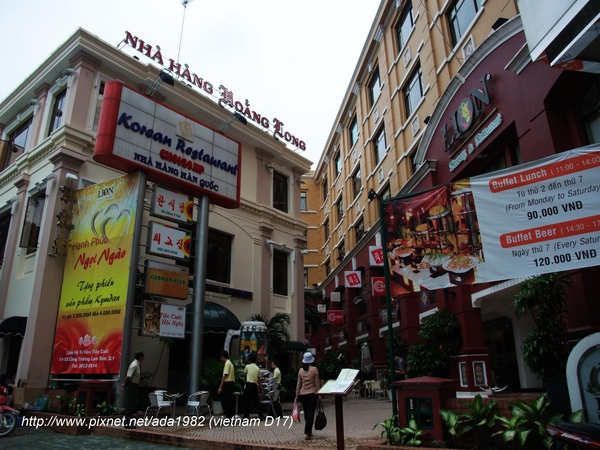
308,385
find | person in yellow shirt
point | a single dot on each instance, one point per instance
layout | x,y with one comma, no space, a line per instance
227,385
276,384
251,387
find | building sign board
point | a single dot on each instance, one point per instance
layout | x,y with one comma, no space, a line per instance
169,242
167,280
91,312
135,132
352,279
451,234
335,316
172,205
163,320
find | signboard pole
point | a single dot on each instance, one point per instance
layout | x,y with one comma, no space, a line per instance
133,279
388,302
199,293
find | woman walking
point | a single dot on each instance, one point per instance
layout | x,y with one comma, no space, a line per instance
308,385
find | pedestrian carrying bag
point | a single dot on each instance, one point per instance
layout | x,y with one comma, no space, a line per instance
321,419
295,412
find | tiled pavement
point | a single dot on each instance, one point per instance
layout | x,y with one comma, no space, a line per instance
360,415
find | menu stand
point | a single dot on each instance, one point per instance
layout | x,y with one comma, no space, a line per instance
340,388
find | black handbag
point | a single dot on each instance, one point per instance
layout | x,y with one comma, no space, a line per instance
320,419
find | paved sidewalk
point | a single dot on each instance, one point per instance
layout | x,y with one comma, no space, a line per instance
360,416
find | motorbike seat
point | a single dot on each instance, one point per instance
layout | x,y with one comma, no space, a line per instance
590,430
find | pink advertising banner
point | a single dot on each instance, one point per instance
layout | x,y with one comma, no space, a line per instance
530,219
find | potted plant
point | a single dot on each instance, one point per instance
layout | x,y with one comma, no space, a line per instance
210,380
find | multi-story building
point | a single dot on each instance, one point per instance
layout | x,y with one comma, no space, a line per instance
48,127
390,137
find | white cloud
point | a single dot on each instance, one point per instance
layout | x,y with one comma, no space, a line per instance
291,59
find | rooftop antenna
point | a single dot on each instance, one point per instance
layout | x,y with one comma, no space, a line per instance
184,3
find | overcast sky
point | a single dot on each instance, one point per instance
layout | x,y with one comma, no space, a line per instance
292,60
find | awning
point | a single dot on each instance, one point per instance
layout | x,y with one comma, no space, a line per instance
506,289
217,318
13,326
295,347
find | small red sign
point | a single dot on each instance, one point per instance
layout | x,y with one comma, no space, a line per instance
335,316
378,286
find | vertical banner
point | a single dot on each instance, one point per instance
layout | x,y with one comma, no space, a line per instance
91,312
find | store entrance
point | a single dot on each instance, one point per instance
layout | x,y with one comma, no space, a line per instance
499,338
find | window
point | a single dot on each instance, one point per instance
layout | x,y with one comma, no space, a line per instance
99,101
280,192
374,87
303,206
4,228
589,106
15,144
359,229
325,189
327,267
33,222
280,272
219,255
340,209
338,163
380,146
356,183
413,92
353,132
386,193
58,109
341,250
326,229
460,15
404,26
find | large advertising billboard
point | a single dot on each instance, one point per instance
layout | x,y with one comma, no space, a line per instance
137,133
530,219
91,313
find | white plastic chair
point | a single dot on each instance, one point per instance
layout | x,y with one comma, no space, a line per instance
270,399
197,401
158,401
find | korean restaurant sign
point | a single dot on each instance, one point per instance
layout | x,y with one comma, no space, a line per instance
172,205
91,312
167,280
169,242
375,255
135,132
227,99
352,279
535,218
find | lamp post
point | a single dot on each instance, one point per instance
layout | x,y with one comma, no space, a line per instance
388,301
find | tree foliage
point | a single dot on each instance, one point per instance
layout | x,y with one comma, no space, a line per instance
441,338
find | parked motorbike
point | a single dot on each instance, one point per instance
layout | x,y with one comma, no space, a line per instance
577,435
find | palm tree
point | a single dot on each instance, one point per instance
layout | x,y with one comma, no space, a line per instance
277,332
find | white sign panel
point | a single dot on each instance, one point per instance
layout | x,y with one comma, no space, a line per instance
172,205
163,320
168,241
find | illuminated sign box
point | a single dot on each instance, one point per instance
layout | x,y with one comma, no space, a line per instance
135,132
